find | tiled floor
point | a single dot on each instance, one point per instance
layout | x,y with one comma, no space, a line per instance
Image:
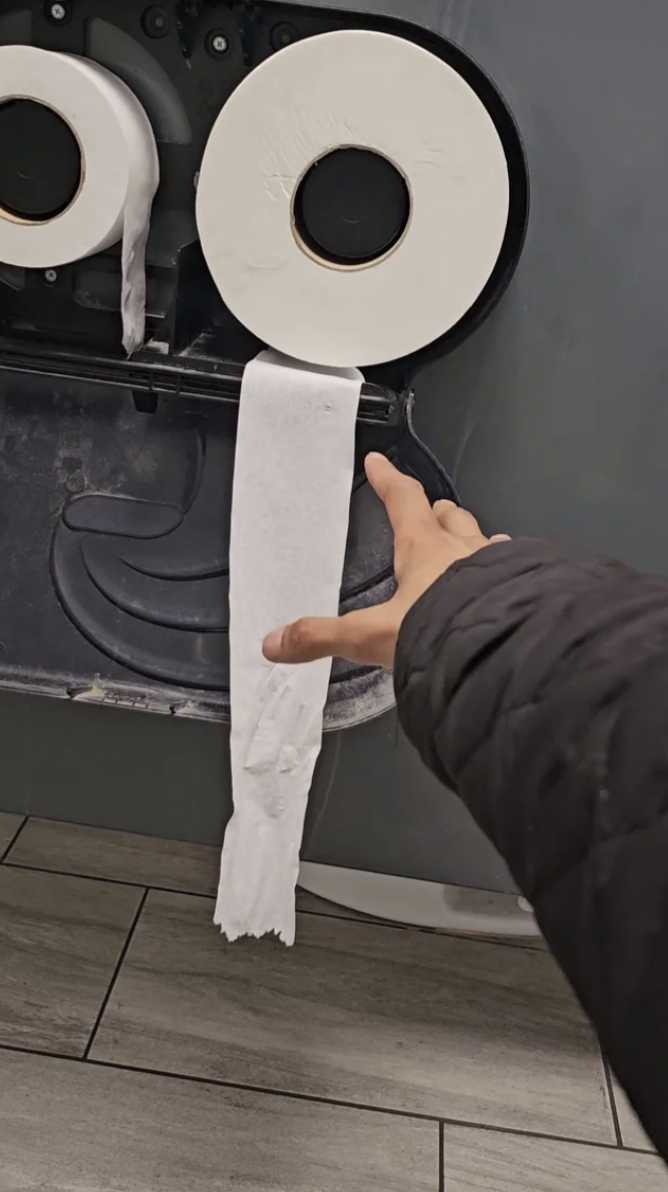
139,1051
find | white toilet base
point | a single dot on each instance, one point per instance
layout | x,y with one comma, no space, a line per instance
422,904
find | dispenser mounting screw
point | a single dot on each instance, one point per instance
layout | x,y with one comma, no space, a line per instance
58,12
155,22
283,35
50,275
217,43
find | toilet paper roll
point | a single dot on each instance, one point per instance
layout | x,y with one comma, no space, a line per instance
362,90
119,172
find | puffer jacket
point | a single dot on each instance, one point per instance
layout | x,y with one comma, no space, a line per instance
534,683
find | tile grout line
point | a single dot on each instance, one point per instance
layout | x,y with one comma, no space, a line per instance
115,975
524,944
613,1103
314,1099
13,840
129,883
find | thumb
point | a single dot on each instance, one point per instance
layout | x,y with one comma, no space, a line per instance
303,641
367,636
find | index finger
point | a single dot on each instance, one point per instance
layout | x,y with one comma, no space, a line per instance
405,500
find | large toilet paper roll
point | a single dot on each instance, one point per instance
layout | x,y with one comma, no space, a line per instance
119,172
353,199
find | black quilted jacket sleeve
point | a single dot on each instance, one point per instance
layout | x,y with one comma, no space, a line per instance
534,682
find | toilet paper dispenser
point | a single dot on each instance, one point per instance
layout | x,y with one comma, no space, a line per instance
183,61
119,592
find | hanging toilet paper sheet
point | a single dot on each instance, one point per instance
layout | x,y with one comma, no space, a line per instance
369,91
119,173
293,476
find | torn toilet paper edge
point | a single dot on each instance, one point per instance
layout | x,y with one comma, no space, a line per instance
271,783
293,477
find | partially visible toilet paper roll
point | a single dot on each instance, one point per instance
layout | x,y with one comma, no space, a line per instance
293,473
119,172
364,90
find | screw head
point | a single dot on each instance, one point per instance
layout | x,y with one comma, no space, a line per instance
58,12
51,275
217,43
155,22
283,35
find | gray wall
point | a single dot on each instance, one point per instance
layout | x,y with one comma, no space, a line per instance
554,417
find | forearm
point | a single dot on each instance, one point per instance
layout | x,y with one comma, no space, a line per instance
510,672
535,685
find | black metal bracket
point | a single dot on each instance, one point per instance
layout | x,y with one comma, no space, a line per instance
195,378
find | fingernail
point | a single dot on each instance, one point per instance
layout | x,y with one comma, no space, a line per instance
273,644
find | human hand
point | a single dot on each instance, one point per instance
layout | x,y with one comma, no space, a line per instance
426,542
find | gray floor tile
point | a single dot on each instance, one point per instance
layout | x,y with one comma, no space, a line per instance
632,1132
68,1127
484,1161
9,826
360,1013
60,940
121,856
